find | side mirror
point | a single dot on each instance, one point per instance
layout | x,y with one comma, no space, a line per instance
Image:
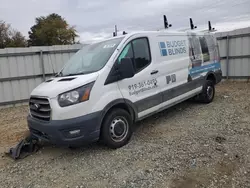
126,68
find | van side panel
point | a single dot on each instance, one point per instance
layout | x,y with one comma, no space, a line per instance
204,55
171,52
173,59
184,62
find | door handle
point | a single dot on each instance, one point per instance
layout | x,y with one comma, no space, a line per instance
154,72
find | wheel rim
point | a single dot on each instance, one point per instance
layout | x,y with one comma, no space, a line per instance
210,92
118,129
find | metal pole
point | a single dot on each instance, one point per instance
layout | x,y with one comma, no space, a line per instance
227,63
42,65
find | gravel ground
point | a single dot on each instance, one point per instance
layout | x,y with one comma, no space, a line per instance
189,145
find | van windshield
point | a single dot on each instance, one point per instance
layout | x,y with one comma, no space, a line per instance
90,58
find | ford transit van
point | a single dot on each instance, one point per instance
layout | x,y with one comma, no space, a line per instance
107,86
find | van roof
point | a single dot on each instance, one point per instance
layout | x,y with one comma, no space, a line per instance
160,32
169,32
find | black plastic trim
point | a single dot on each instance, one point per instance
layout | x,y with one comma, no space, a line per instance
131,106
182,89
54,131
149,102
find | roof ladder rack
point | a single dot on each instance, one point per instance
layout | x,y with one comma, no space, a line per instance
166,25
210,28
115,33
192,26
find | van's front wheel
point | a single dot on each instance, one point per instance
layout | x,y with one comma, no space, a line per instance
116,128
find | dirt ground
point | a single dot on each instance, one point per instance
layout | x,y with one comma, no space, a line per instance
189,145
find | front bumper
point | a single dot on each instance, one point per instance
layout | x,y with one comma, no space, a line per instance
59,132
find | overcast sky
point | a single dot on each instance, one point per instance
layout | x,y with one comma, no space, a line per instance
94,19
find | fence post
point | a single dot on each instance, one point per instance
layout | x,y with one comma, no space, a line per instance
42,65
227,63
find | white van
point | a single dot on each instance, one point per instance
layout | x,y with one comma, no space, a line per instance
108,86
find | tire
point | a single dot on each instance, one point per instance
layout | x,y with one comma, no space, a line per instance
208,92
116,129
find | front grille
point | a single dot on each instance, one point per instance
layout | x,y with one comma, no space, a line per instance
40,108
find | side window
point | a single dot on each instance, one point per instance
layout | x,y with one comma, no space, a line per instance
204,49
195,52
127,52
142,56
138,51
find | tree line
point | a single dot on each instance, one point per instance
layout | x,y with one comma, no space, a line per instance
47,30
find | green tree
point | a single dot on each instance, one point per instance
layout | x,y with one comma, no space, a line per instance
10,37
51,30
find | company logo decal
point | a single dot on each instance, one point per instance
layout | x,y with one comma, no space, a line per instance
37,106
173,47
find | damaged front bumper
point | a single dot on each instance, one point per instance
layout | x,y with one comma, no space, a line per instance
71,132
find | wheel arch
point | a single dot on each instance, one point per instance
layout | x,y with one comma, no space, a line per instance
211,76
122,104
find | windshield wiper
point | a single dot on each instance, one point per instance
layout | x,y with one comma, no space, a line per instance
59,74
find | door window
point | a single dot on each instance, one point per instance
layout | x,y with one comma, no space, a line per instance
139,52
126,53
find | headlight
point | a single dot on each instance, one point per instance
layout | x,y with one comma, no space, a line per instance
75,96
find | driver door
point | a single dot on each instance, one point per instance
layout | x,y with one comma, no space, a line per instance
143,88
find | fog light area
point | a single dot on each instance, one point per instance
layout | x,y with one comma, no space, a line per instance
75,132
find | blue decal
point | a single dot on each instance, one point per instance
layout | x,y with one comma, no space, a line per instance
163,48
205,68
164,52
162,45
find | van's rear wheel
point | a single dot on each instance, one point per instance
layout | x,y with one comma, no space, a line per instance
116,128
208,92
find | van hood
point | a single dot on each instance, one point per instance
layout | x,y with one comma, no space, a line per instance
55,86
